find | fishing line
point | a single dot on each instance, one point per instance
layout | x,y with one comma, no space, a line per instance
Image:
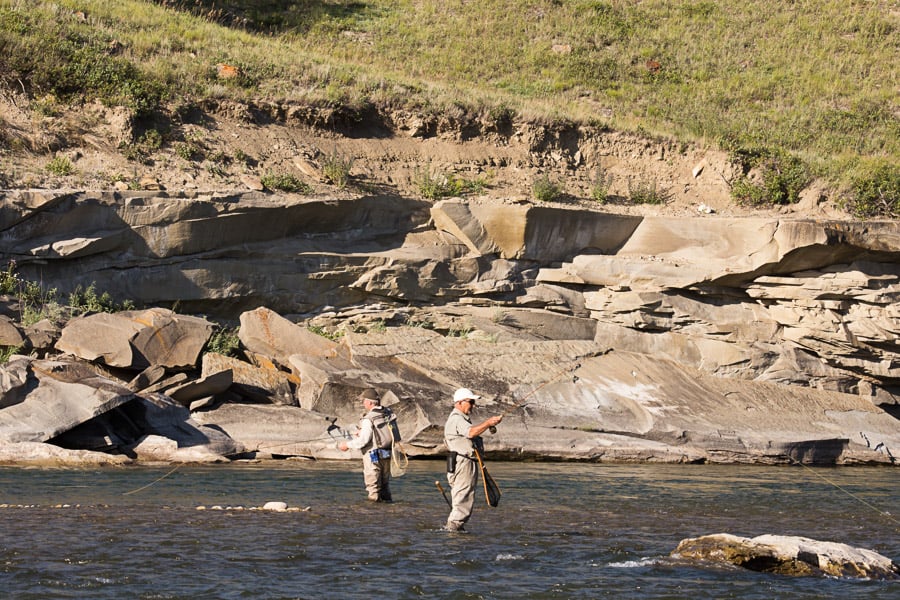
521,404
883,513
152,482
257,449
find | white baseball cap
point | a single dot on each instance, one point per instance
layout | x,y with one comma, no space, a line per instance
464,394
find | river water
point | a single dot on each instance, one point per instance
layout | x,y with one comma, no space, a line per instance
562,530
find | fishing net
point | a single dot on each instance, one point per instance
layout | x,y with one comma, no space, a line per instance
399,460
491,489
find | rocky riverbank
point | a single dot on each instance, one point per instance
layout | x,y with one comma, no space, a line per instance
601,336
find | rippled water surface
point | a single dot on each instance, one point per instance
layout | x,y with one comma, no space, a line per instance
561,531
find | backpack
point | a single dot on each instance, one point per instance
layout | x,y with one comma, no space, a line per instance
385,430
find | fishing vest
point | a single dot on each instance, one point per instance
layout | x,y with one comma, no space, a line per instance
384,427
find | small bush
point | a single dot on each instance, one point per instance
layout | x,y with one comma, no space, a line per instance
781,178
85,300
224,341
32,297
147,143
645,189
285,182
334,336
7,351
60,165
188,151
336,168
545,190
438,185
602,182
9,279
876,193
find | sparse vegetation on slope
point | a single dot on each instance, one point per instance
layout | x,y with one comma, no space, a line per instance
815,81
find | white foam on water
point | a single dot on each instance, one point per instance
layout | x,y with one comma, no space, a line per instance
633,564
509,557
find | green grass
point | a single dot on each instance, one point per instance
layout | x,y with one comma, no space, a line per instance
815,79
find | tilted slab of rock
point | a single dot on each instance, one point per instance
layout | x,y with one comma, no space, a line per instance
41,336
266,332
137,339
149,376
55,396
68,404
10,334
207,385
14,380
789,555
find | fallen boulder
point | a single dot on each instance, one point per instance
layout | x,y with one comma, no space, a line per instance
789,555
137,339
256,384
268,333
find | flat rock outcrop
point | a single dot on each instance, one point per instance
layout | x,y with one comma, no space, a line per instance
789,555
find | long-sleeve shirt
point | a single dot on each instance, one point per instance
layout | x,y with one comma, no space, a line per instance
364,437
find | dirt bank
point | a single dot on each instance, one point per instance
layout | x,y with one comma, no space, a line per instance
227,146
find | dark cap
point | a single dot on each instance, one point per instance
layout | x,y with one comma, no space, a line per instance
371,395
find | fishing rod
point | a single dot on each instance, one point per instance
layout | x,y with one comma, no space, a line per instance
443,493
520,403
332,427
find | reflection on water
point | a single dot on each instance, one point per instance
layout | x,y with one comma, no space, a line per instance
561,531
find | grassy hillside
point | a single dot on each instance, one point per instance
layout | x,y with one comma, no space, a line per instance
801,82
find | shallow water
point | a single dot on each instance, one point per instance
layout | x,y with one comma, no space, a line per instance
562,530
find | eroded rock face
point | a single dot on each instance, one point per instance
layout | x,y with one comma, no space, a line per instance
788,555
798,302
696,339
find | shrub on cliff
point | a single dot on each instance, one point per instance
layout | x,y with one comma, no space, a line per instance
770,177
876,192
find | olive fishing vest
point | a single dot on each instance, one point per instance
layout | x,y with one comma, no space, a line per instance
384,427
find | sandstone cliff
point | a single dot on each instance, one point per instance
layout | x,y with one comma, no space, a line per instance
602,336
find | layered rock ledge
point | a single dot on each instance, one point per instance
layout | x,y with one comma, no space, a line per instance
601,336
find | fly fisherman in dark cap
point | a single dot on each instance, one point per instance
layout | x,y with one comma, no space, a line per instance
377,432
462,466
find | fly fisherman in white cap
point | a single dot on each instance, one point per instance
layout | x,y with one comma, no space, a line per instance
377,432
462,466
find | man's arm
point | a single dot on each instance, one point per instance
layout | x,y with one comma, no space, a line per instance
476,430
362,438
